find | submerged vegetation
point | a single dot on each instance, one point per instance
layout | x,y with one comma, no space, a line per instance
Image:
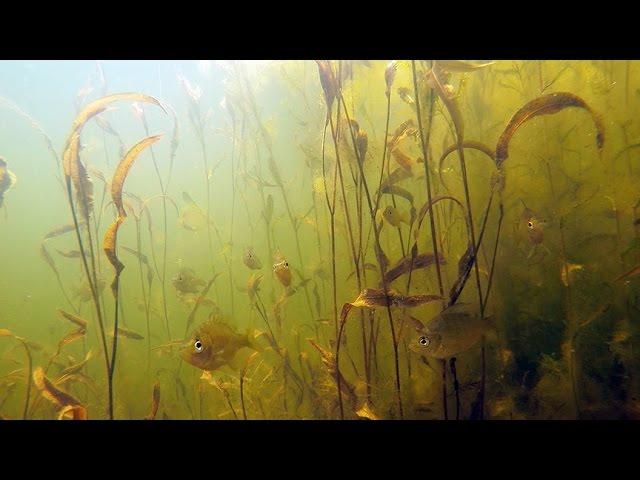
323,240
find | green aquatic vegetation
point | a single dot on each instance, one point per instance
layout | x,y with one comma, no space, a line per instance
25,344
319,178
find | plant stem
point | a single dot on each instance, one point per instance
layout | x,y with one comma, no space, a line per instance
92,285
381,260
28,394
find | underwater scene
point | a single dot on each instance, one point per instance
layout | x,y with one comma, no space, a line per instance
300,239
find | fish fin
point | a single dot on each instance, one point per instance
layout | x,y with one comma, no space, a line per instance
12,180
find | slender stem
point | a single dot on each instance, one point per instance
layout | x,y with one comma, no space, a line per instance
28,394
114,350
164,227
454,374
444,390
244,410
233,214
381,260
92,285
424,143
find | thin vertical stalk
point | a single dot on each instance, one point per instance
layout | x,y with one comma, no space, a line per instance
381,261
90,280
164,231
424,142
28,393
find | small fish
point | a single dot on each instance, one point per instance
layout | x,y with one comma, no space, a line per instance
394,217
7,179
566,272
186,281
125,332
251,260
452,331
533,225
215,344
405,95
82,291
191,217
70,253
283,272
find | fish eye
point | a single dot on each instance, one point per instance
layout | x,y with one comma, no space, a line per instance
286,264
198,346
424,341
530,224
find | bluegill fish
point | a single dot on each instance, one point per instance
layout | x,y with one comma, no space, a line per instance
186,281
7,179
453,331
215,344
283,272
191,217
251,260
533,225
394,217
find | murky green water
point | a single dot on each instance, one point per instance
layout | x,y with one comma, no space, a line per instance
260,209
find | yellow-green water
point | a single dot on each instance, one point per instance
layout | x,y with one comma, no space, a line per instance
250,144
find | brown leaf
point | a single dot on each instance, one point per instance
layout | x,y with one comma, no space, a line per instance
71,337
544,105
403,266
82,323
155,402
60,231
120,175
76,412
51,392
99,105
109,244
